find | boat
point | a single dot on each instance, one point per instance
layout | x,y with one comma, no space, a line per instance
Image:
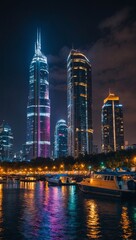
116,184
61,181
28,179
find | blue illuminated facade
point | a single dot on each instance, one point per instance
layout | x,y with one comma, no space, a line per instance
6,142
38,107
60,139
79,104
112,124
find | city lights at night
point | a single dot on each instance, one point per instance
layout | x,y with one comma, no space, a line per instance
67,120
105,35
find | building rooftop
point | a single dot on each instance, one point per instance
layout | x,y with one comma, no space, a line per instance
111,97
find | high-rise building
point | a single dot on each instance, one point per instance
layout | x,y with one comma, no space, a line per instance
38,108
112,124
79,104
6,142
60,139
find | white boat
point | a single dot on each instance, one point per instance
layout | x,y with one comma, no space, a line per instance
60,180
117,184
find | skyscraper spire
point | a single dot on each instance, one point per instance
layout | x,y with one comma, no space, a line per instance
38,41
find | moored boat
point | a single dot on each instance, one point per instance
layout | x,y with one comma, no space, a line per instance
116,184
28,179
61,181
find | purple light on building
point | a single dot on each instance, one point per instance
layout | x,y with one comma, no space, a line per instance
38,108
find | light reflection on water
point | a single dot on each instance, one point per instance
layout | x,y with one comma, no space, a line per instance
126,224
35,211
93,221
1,211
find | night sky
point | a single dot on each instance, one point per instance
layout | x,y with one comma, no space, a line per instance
104,31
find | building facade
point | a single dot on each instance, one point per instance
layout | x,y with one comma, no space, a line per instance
6,142
112,124
60,139
38,107
79,104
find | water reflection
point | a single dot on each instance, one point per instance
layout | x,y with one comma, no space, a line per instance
93,221
1,210
102,218
126,224
34,211
54,208
27,185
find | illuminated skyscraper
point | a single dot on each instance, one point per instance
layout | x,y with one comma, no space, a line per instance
60,139
112,124
79,104
6,142
38,108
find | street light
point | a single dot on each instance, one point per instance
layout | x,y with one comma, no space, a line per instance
61,167
54,167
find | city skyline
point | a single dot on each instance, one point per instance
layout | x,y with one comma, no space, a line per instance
106,35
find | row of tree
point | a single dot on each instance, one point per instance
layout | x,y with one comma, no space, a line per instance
124,158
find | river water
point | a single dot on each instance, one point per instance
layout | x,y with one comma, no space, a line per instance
35,211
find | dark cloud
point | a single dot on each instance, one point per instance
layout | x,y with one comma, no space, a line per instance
114,67
116,20
58,78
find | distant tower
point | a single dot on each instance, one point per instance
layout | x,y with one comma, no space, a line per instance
6,142
79,104
38,108
60,139
112,124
